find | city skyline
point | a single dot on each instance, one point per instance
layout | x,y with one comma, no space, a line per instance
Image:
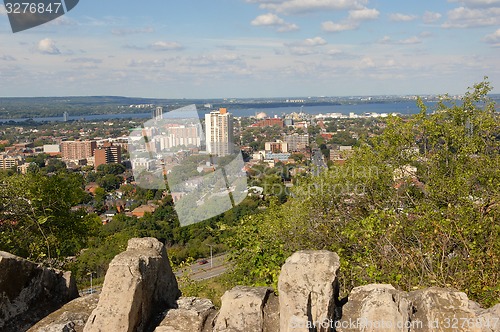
255,48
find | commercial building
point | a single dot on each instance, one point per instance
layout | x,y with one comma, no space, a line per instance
297,142
181,135
269,122
277,156
52,149
107,154
276,147
8,162
219,132
77,150
158,113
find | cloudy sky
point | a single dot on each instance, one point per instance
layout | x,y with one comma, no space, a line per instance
255,48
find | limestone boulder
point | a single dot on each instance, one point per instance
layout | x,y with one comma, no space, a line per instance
308,290
248,309
374,308
29,292
69,318
488,319
383,308
191,315
138,285
438,309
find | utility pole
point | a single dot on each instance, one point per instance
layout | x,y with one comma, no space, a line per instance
211,256
91,287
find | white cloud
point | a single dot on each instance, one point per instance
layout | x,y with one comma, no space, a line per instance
304,6
215,60
353,20
334,52
316,41
309,42
478,3
166,46
385,40
431,17
146,63
299,50
330,26
48,46
463,17
274,20
364,14
63,21
288,27
408,41
493,38
306,47
127,32
398,17
268,19
366,62
84,60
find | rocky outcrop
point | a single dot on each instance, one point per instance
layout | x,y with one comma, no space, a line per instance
248,309
308,290
29,292
383,308
191,315
138,284
69,318
140,293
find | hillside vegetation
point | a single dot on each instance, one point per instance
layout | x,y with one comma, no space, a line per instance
416,206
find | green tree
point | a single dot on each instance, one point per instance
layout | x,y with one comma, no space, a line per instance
109,182
113,168
37,220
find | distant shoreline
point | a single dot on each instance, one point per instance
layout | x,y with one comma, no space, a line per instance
54,111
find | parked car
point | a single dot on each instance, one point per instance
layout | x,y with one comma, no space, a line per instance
202,262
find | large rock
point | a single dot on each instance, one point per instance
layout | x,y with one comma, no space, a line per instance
488,319
246,309
374,308
69,318
29,292
437,309
308,291
383,308
139,284
191,315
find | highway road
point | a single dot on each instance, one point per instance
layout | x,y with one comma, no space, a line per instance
206,271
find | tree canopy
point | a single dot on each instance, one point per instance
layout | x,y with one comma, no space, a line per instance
36,220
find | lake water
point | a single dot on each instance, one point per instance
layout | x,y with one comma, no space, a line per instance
405,108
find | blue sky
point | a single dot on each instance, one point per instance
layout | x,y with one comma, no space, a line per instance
255,48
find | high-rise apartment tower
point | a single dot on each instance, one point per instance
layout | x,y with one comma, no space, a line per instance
219,132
